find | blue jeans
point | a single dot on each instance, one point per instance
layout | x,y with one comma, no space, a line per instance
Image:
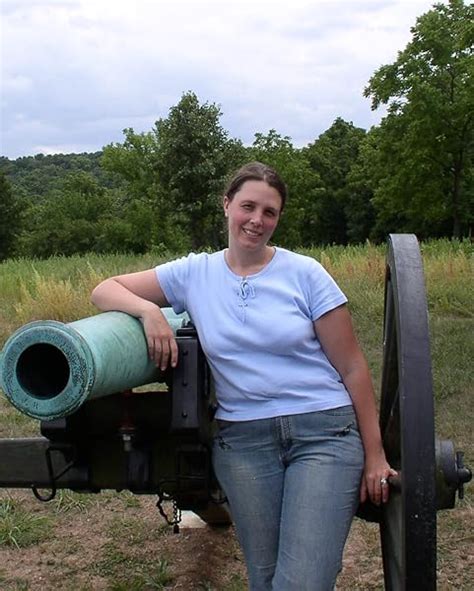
292,484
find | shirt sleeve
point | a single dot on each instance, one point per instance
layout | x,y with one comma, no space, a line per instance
173,278
324,293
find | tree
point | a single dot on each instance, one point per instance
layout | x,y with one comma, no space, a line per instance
332,156
427,140
359,209
297,224
69,220
195,155
9,218
134,160
143,223
176,172
33,177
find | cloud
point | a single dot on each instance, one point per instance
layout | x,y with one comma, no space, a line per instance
75,73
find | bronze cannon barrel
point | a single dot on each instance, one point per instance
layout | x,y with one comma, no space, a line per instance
49,369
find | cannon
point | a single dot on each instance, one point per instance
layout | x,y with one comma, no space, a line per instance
111,420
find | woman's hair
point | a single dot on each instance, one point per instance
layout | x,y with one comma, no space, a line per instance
256,171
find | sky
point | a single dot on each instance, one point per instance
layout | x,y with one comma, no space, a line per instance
76,73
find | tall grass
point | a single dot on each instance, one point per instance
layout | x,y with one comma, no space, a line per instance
58,288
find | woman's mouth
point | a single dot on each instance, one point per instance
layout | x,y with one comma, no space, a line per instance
251,233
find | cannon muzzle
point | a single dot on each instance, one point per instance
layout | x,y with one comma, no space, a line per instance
49,369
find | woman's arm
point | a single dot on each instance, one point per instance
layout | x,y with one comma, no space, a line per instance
141,295
336,335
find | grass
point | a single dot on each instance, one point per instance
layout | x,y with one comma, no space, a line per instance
236,583
124,560
13,423
20,528
59,288
15,585
134,530
152,575
67,501
130,572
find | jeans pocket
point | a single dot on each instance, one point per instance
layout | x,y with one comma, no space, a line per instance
223,431
340,421
340,411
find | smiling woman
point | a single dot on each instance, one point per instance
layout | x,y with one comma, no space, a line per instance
298,442
253,215
253,203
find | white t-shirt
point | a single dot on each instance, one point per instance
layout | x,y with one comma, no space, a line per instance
257,332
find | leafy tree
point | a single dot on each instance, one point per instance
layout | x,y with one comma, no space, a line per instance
175,174
67,221
359,209
9,218
33,177
134,161
127,226
195,155
426,142
297,225
332,156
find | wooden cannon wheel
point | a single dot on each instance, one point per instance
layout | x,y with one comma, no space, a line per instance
408,521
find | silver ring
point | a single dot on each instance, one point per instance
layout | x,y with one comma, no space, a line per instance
383,481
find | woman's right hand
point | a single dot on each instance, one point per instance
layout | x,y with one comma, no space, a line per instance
140,295
162,346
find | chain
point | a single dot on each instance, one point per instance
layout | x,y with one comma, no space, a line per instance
177,515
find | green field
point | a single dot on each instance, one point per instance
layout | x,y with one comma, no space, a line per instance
59,288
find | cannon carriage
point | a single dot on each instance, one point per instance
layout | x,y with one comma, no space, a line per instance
111,420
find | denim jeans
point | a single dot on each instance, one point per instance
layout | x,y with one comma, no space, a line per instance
292,483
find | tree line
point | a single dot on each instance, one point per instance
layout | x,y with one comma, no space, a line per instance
162,189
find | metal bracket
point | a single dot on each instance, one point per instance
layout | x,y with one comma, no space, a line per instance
54,477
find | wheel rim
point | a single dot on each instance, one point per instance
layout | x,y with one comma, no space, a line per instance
408,524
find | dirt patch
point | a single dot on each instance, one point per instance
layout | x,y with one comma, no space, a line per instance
108,542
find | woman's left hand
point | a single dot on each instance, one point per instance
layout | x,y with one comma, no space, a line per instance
375,480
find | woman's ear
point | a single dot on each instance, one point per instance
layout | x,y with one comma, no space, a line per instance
225,203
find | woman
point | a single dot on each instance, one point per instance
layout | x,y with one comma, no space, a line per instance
298,443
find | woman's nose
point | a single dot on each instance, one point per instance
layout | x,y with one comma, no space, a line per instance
256,218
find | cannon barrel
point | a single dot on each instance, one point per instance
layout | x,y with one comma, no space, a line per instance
49,369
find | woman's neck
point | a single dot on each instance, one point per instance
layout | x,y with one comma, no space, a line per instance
248,263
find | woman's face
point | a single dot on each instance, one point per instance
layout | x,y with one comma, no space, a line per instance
253,214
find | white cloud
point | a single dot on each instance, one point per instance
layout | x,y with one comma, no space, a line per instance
80,71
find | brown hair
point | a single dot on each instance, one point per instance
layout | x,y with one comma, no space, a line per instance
256,171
